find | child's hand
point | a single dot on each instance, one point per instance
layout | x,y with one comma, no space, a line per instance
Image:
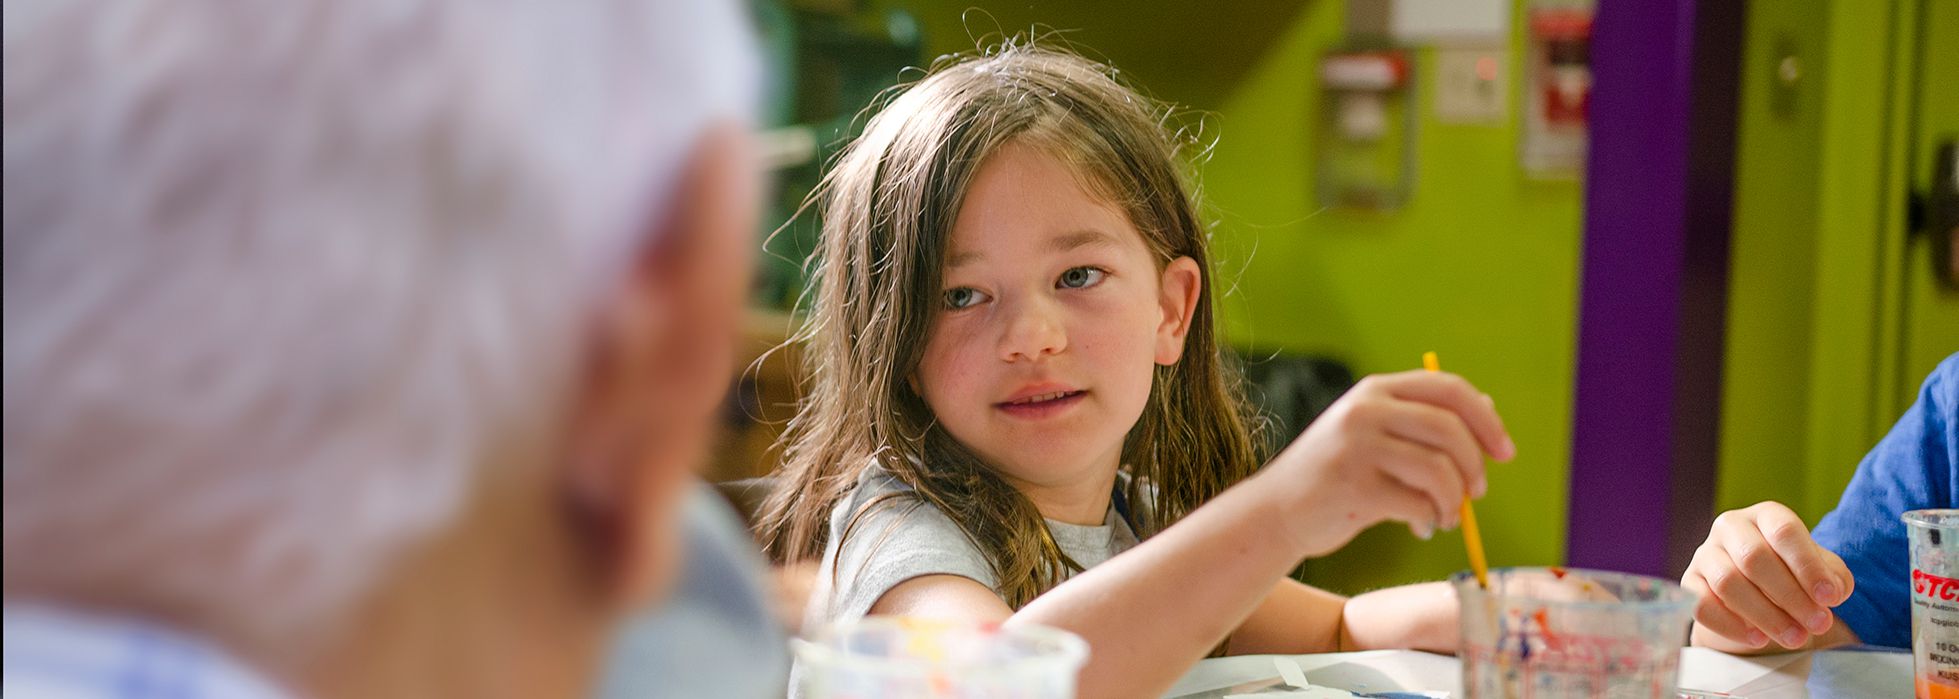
1404,447
1761,577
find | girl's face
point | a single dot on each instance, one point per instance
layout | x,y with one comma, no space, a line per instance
1053,315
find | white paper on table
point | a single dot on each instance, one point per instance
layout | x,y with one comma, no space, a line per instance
1298,687
1290,672
1708,670
1309,693
1292,693
1407,671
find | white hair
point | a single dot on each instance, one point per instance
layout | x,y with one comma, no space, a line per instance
277,274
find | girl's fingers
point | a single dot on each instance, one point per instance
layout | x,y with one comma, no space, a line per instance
1397,502
1425,471
1443,431
1455,394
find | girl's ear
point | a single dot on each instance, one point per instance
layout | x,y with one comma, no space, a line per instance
1181,287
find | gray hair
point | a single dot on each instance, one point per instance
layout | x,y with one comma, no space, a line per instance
278,274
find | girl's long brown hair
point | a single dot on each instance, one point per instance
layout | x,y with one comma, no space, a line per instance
887,210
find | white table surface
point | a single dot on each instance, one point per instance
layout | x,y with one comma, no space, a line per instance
1861,672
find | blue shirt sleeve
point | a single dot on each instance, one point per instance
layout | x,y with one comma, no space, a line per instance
1916,466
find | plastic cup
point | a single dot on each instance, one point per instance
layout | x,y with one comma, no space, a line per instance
1934,537
1551,632
905,657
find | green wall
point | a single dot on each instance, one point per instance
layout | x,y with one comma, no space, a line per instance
1834,315
1773,257
1480,265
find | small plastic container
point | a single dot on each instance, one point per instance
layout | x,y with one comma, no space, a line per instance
1550,633
1934,537
905,657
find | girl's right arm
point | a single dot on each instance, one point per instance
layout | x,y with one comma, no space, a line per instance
1402,447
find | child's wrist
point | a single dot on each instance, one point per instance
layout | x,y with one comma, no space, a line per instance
1281,505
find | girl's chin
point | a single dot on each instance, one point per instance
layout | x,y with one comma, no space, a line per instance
1046,467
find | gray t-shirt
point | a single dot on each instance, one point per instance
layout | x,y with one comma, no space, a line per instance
905,538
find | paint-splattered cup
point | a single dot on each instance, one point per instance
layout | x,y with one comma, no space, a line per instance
925,658
1553,632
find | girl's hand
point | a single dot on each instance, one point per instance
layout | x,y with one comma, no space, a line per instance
1406,447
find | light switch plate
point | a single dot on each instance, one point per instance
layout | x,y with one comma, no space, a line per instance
1472,86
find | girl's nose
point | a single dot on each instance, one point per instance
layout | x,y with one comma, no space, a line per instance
1033,331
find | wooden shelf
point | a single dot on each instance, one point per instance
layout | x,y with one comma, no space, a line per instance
762,400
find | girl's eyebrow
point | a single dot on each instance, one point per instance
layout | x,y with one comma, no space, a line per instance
1060,243
1082,238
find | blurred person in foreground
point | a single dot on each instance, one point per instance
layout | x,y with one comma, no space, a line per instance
724,633
359,348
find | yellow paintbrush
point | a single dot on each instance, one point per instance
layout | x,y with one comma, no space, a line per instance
1470,536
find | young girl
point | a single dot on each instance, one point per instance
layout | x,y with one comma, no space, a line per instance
1018,405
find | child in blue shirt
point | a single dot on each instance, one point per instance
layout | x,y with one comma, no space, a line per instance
1764,579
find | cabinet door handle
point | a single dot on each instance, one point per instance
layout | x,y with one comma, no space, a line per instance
1939,209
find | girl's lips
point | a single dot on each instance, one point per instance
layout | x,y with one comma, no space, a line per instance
1042,406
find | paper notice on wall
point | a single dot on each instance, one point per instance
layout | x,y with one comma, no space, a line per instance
1450,21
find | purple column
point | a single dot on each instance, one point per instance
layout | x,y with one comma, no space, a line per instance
1653,303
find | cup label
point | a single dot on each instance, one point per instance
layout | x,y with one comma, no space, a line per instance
1935,589
1935,602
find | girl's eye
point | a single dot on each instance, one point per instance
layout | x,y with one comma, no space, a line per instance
962,297
1081,277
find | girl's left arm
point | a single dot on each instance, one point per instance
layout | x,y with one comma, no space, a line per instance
1298,618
